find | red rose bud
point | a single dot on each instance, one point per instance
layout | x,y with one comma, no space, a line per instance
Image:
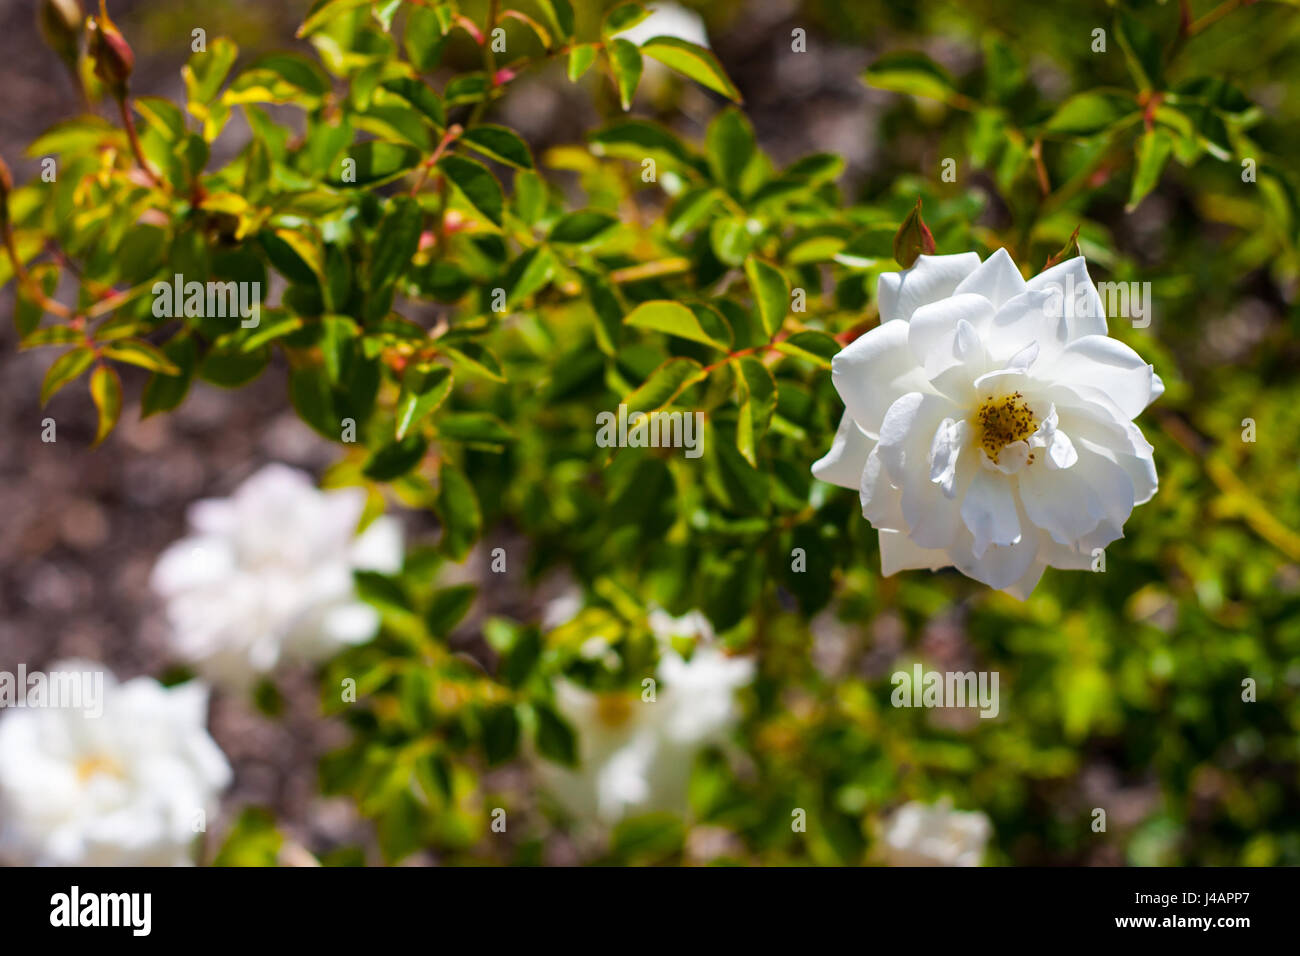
60,24
111,55
913,239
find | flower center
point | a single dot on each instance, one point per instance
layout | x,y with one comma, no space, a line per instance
1001,421
89,766
613,710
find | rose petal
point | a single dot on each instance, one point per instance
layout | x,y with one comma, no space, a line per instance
899,294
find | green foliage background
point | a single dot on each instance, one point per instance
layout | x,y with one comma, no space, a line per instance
1122,688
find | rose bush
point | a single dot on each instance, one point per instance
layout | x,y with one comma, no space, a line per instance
454,310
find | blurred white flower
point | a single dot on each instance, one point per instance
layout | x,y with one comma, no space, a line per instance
635,755
919,834
669,20
692,624
132,787
988,421
267,575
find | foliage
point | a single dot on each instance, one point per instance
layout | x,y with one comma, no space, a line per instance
469,307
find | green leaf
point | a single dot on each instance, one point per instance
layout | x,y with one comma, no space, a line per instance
323,11
528,274
758,402
163,392
693,61
729,146
1143,51
582,226
448,607
625,62
560,15
623,17
580,59
633,139
65,369
106,393
231,368
499,143
376,162
500,734
664,385
812,346
205,72
396,458
555,738
481,428
479,187
530,197
771,292
423,390
396,241
906,71
457,508
136,352
737,483
420,96
1153,151
474,357
280,78
1088,113
423,38
383,591
699,324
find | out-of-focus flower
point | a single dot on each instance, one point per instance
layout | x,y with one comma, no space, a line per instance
131,787
692,624
635,755
988,421
919,834
268,575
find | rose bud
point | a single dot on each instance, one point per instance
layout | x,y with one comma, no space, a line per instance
111,54
60,24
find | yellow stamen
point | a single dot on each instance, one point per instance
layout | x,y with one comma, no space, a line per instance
1000,421
88,767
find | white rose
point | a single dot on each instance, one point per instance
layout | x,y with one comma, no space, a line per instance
918,834
267,575
988,421
127,788
635,756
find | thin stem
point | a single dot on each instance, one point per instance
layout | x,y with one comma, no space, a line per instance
24,277
128,122
449,137
1215,15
